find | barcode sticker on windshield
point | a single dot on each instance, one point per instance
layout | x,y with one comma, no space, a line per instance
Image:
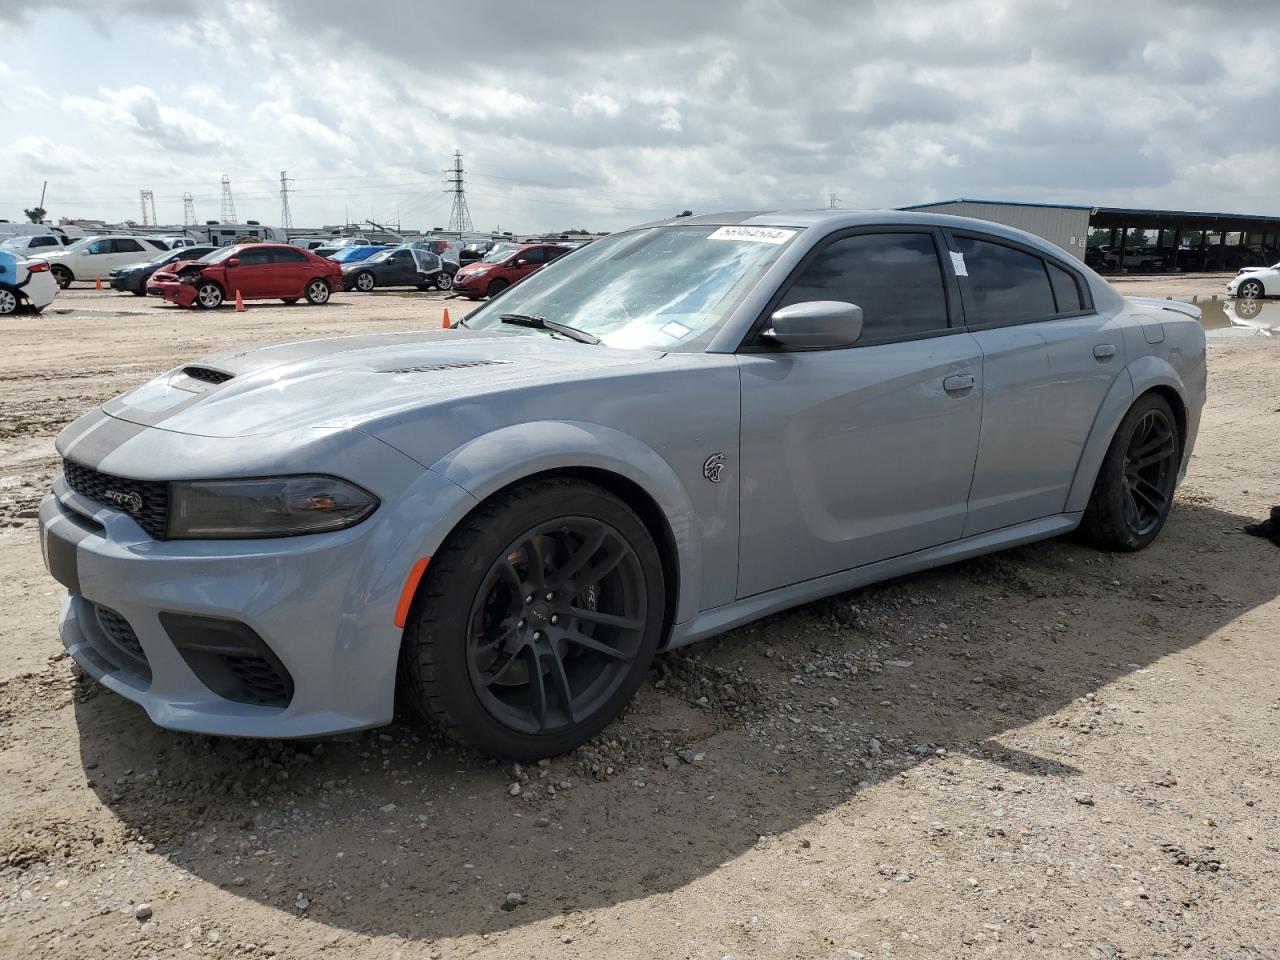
753,234
957,264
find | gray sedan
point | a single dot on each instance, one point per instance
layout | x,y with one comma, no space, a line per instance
668,433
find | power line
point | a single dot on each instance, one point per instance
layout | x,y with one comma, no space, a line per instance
228,201
459,216
286,218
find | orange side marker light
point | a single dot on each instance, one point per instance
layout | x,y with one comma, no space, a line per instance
410,588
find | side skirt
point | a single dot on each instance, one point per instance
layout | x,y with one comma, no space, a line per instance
709,623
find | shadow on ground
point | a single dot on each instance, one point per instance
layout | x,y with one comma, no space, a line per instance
386,832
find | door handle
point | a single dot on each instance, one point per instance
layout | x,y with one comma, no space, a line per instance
1104,351
958,382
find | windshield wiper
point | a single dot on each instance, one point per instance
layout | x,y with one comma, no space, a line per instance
542,323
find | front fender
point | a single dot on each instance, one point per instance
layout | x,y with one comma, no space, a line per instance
1143,374
488,463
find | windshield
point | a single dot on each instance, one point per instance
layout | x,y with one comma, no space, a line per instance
499,253
16,243
376,258
219,255
659,288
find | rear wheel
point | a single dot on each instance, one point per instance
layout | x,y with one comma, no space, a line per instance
61,275
444,280
1134,490
8,301
318,292
209,295
497,287
1250,289
536,622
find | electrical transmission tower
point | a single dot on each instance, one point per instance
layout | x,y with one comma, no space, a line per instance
834,201
228,201
460,216
286,218
188,211
148,208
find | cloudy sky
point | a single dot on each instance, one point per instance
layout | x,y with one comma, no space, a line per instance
633,111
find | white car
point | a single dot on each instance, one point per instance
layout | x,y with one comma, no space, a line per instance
1254,282
32,245
95,257
24,282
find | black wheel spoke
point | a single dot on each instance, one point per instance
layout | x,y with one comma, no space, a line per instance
1162,452
595,646
537,688
560,681
535,574
581,557
617,552
494,676
1148,492
606,619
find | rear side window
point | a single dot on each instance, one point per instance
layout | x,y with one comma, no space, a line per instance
894,277
128,246
282,255
44,241
1005,285
1065,290
158,244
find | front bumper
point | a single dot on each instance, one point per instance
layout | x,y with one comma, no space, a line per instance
183,294
323,605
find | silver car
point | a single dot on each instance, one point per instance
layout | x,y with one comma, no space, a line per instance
670,432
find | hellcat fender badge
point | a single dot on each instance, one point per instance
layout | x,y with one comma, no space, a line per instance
713,467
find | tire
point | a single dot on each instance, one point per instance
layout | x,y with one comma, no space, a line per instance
444,281
1250,289
139,293
482,620
1134,490
497,287
209,295
289,300
317,292
61,275
365,281
8,301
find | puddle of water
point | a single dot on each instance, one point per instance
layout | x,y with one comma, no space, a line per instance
1225,316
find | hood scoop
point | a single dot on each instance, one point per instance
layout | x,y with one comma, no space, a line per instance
445,365
207,374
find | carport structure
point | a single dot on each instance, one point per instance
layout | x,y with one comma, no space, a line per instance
1257,233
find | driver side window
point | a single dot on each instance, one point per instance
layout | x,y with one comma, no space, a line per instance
97,247
895,278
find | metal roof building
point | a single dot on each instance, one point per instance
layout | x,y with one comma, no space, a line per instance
1065,224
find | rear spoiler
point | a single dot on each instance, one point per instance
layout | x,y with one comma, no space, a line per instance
1173,306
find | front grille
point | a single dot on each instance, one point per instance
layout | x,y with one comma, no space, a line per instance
207,374
147,501
121,647
260,682
445,365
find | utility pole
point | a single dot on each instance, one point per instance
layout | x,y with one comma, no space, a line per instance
148,208
286,218
833,202
228,201
459,216
188,211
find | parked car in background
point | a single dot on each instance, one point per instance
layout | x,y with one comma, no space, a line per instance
24,282
176,242
95,257
353,253
133,277
310,243
1255,282
258,271
1135,258
399,267
677,430
501,267
32,245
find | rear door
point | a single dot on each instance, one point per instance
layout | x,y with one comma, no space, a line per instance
290,271
855,455
1048,361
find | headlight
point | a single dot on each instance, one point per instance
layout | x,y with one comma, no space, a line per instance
265,507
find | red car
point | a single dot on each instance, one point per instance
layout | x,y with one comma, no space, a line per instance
502,267
259,271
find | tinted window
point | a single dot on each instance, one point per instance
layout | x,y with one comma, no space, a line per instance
533,255
98,246
553,252
157,244
126,246
44,241
282,255
1005,285
1065,290
254,257
894,277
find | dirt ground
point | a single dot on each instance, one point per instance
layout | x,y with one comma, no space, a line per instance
1050,752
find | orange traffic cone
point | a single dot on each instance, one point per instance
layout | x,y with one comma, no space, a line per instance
98,284
239,303
446,323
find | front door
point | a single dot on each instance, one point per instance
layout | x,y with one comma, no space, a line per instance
401,269
1048,362
253,275
856,455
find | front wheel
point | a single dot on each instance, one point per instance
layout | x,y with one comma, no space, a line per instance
536,622
209,295
1134,490
364,281
1250,289
317,292
444,281
61,275
497,287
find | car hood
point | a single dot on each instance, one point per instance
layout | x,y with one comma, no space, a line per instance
350,381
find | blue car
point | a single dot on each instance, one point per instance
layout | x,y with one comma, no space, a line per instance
355,254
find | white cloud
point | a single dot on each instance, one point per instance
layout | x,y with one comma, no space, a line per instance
138,110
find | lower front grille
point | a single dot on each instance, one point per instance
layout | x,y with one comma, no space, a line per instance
118,644
230,659
147,501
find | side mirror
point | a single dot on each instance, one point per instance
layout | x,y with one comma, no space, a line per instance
816,324
233,262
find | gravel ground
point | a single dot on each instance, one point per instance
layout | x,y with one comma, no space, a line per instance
1047,752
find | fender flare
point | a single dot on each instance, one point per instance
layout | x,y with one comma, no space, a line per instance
488,463
1140,376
